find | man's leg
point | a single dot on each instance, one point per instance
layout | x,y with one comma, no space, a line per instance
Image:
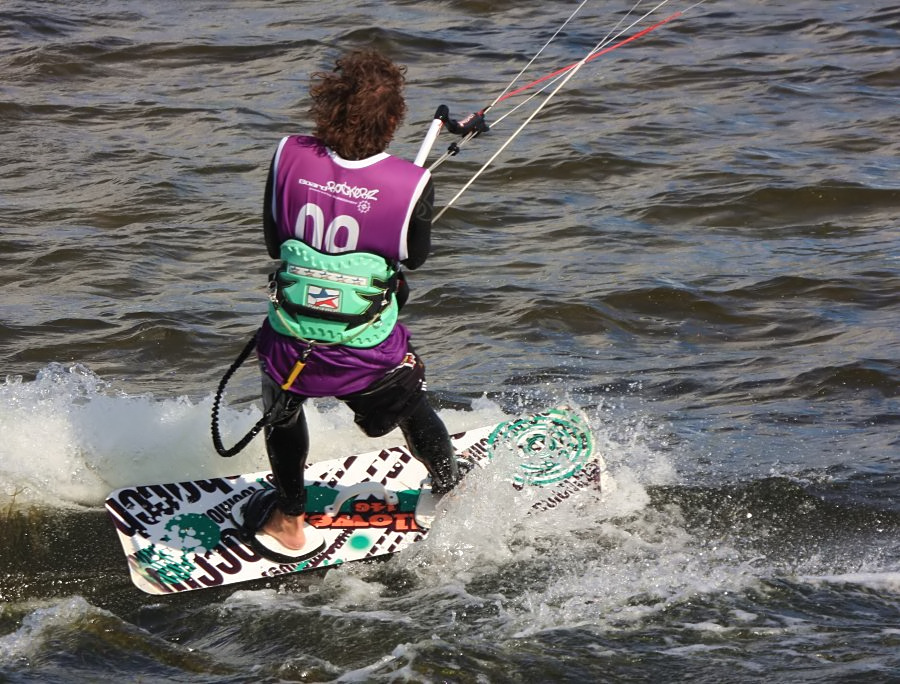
287,445
399,399
428,440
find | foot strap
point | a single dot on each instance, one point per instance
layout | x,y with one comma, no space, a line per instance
249,518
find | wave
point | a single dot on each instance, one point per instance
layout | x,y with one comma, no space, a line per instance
71,437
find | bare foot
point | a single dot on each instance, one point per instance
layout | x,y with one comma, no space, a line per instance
287,529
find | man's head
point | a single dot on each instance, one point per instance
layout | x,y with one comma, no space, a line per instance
358,106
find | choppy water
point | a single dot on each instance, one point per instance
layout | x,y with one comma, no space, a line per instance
697,241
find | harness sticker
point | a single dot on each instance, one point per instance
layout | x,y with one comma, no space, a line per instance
323,298
303,271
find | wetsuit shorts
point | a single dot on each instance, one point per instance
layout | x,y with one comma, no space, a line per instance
377,410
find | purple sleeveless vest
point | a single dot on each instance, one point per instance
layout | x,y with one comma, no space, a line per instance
337,205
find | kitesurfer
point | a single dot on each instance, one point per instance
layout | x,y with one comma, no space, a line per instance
343,216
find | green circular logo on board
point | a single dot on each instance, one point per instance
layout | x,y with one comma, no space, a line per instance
359,541
552,446
193,533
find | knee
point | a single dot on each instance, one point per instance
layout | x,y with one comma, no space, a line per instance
379,423
373,429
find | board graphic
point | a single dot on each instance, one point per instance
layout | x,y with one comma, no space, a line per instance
179,536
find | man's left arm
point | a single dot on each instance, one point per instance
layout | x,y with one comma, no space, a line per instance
418,235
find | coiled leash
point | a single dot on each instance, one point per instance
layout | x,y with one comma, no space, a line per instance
262,422
216,437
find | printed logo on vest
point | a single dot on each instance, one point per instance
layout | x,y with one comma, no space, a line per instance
348,193
323,298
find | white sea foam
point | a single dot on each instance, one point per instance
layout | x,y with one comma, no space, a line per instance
588,561
69,437
879,581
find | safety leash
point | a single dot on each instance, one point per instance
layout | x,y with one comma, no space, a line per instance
216,437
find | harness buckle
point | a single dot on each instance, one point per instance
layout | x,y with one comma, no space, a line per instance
272,292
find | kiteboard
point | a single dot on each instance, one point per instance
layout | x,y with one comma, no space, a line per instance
180,536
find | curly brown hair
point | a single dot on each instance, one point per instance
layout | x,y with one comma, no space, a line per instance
358,106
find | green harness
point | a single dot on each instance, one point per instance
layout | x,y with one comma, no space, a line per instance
346,299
